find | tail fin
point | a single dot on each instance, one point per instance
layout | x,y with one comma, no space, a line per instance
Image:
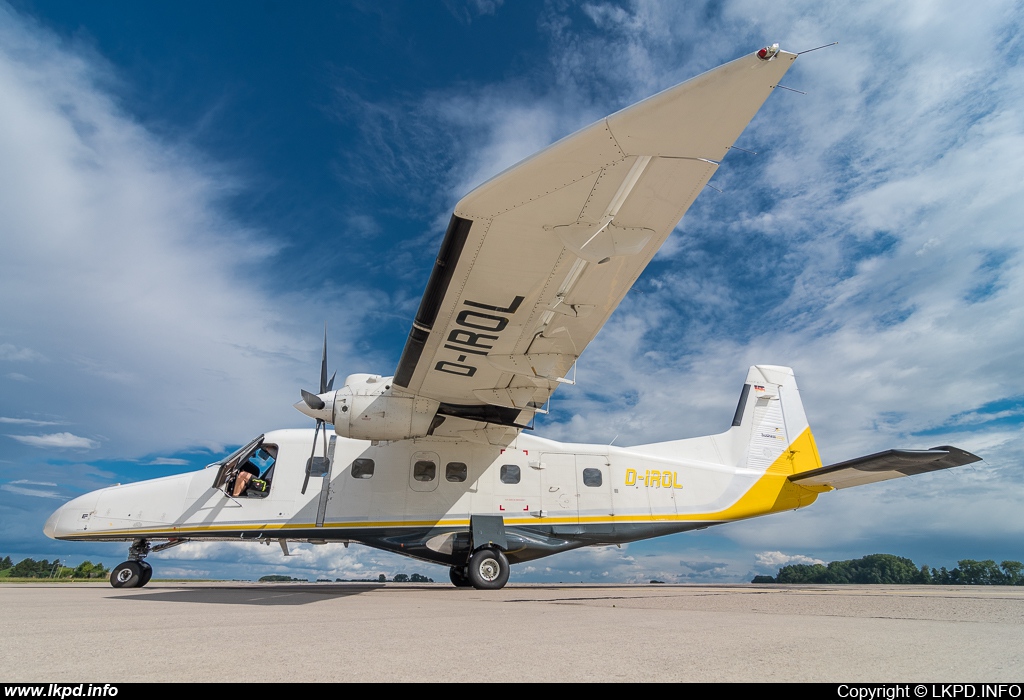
769,432
770,422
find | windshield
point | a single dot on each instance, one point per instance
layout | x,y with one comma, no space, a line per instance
237,453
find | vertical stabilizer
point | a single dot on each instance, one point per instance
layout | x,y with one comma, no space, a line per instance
770,430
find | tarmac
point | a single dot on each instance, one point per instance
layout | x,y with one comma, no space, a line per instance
337,632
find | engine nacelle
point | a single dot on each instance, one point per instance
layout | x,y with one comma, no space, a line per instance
365,409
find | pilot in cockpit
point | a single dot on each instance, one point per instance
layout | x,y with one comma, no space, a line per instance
255,473
246,473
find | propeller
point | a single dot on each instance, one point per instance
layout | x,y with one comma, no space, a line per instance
314,406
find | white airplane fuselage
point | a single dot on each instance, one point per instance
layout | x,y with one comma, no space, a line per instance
417,497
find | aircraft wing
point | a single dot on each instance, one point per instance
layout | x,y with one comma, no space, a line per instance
536,259
890,464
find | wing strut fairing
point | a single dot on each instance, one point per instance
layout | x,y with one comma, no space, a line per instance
536,259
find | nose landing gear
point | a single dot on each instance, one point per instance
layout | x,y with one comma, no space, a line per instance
131,574
136,573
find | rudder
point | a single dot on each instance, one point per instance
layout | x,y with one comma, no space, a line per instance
770,426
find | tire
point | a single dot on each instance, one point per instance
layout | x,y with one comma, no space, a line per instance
458,578
147,573
488,569
127,574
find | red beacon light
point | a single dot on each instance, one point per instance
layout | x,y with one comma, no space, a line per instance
768,52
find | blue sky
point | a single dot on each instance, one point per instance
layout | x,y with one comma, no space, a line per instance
188,191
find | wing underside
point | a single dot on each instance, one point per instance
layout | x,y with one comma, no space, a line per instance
891,464
535,260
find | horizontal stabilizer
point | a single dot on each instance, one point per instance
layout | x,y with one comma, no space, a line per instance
890,464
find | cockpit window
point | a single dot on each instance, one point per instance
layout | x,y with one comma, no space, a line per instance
233,457
248,472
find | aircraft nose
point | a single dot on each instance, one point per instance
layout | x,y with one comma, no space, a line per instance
50,528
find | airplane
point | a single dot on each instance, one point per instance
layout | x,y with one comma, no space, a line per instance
437,462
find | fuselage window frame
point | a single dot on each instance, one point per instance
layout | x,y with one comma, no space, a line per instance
362,468
456,472
424,470
510,474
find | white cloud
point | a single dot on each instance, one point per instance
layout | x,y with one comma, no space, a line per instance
131,275
168,461
13,353
771,561
27,421
252,560
24,491
57,441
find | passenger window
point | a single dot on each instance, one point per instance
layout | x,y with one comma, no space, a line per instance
362,468
456,471
592,477
509,474
424,470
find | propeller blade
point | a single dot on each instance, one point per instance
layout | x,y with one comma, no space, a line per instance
323,365
312,400
305,482
330,384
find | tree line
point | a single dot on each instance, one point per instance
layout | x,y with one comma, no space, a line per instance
30,568
890,569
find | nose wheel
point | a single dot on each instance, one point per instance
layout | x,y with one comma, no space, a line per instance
134,573
128,574
147,573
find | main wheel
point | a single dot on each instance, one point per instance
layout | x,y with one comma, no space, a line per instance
147,573
458,578
488,569
127,574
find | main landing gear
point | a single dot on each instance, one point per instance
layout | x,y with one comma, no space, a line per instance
459,578
488,569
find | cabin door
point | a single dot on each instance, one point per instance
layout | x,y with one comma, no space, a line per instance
558,488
